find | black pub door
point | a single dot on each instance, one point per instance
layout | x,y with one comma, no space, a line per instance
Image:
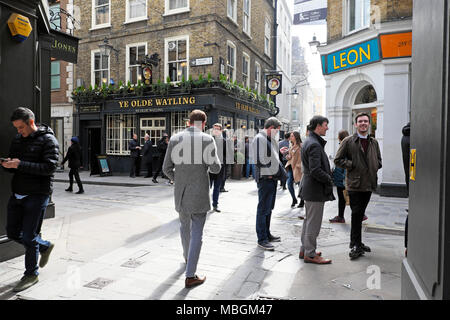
93,149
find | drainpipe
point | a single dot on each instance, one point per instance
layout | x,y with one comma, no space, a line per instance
275,28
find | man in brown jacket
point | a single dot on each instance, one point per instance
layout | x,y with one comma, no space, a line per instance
360,156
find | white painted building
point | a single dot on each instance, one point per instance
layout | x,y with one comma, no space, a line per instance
368,71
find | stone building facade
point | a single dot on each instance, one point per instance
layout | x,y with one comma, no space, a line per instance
367,67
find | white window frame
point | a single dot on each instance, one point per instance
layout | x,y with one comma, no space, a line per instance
346,13
93,22
267,37
246,57
168,12
127,13
118,130
231,44
166,56
232,18
158,129
93,52
248,32
127,57
258,78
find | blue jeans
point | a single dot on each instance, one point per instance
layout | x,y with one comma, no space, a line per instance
290,184
267,192
216,191
249,166
24,221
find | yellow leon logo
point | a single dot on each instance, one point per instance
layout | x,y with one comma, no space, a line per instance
19,26
351,57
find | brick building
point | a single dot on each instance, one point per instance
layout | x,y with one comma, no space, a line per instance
235,38
367,67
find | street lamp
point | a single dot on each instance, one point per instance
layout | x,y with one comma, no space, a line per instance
106,48
314,44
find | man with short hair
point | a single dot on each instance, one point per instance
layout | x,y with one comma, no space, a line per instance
316,188
268,170
361,157
147,155
33,158
217,179
162,148
189,169
135,153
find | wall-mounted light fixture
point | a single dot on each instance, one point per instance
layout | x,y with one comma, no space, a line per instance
106,48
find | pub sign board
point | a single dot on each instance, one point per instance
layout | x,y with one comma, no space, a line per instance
273,84
64,47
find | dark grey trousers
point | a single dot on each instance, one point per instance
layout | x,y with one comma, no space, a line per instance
311,227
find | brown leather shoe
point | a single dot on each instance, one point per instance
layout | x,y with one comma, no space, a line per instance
301,255
317,260
194,281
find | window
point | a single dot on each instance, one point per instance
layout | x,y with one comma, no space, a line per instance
176,6
231,61
100,69
135,52
246,70
55,75
225,121
55,18
258,77
136,10
247,9
366,95
101,13
231,10
358,14
177,57
179,121
154,127
267,38
119,131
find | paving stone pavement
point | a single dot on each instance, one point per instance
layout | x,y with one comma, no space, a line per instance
121,242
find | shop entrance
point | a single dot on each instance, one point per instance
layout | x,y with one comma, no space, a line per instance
93,149
365,101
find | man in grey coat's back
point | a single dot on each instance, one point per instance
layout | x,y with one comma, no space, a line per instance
190,156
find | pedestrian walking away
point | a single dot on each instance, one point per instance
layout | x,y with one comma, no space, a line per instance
316,188
147,156
284,148
162,148
294,165
360,155
135,154
74,156
191,192
338,180
268,170
32,160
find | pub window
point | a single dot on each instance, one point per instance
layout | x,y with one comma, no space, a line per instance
231,9
247,10
246,70
258,77
358,15
177,56
179,121
231,61
154,127
366,95
267,38
135,52
101,10
100,69
55,75
119,131
226,122
136,10
251,124
55,18
176,6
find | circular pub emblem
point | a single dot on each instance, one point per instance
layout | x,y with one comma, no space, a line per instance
274,84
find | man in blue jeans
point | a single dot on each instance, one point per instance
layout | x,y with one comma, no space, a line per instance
264,151
33,157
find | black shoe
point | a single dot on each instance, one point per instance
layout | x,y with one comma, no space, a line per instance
301,204
80,192
356,252
294,202
223,190
274,239
216,210
365,248
69,189
154,180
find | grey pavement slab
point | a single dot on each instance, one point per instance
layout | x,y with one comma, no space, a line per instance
129,236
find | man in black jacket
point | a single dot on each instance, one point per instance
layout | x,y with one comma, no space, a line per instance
162,148
74,156
135,153
147,155
315,189
32,158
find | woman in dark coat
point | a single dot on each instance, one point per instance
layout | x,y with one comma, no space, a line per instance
74,157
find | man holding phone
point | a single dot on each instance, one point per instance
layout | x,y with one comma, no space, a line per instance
33,157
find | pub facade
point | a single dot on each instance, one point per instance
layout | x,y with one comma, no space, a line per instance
208,55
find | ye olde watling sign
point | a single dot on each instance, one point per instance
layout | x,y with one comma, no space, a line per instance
64,47
273,84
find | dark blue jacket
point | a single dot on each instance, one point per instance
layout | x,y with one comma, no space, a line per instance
338,177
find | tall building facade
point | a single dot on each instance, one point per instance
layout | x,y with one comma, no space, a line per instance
367,67
188,39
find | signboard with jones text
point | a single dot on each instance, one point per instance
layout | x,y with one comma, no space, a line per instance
64,47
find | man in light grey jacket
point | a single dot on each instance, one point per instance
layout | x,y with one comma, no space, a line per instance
190,156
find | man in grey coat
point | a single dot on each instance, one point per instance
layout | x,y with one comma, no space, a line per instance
191,155
316,188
